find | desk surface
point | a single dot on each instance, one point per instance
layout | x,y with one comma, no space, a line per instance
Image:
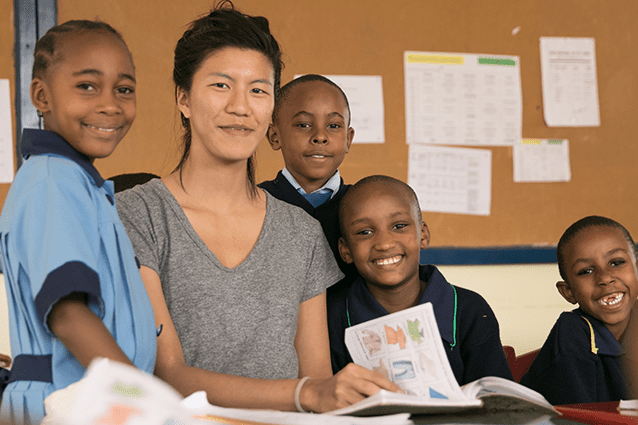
483,418
597,413
592,413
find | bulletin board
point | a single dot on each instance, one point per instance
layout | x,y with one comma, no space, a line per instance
7,70
369,37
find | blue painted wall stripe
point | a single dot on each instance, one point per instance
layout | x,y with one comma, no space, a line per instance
444,256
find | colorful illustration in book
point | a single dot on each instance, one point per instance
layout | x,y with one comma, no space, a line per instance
407,367
381,369
372,342
428,365
395,336
415,333
435,394
118,414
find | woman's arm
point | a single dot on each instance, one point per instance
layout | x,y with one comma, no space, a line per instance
82,332
320,395
311,342
221,389
326,392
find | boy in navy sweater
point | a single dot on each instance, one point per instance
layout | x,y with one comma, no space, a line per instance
383,235
311,127
580,361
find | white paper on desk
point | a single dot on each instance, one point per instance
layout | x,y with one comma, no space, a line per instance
406,348
451,180
6,134
570,83
462,99
541,160
201,410
628,404
115,393
365,96
112,393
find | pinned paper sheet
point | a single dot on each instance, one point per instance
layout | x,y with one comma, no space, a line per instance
570,83
451,180
462,99
542,160
365,96
6,134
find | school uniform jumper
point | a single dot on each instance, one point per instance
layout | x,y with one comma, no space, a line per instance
327,214
469,330
580,362
59,234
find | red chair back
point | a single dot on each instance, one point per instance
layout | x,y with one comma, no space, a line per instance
519,365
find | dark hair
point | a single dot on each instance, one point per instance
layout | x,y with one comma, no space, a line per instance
223,27
44,54
286,89
384,180
582,224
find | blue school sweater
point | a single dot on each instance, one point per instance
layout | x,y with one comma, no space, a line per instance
471,339
567,371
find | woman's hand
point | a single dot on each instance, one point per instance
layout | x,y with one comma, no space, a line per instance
5,361
351,385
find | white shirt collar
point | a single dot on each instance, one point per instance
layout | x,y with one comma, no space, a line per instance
332,184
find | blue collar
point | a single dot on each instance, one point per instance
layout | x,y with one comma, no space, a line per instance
333,184
606,342
362,306
43,142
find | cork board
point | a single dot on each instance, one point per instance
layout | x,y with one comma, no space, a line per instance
368,37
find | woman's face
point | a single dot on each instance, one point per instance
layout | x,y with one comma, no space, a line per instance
230,104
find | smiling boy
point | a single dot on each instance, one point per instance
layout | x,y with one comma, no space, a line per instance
580,361
311,127
383,235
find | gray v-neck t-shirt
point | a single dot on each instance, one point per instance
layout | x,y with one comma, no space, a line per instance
241,320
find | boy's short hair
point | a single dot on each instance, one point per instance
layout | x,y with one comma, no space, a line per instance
582,224
366,181
285,91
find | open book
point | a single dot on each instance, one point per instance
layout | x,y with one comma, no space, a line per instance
406,347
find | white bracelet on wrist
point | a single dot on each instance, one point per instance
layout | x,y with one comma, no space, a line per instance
298,391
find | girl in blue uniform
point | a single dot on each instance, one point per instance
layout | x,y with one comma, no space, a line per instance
73,283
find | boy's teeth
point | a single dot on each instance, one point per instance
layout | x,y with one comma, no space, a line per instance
388,261
101,129
611,299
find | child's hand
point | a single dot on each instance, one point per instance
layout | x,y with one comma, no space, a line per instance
351,385
5,361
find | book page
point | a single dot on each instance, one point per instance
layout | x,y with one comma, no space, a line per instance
406,347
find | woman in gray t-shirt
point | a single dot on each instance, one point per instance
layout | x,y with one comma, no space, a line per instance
237,278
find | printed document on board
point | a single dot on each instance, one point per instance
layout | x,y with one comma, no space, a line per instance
462,99
570,84
542,160
365,96
6,134
451,180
